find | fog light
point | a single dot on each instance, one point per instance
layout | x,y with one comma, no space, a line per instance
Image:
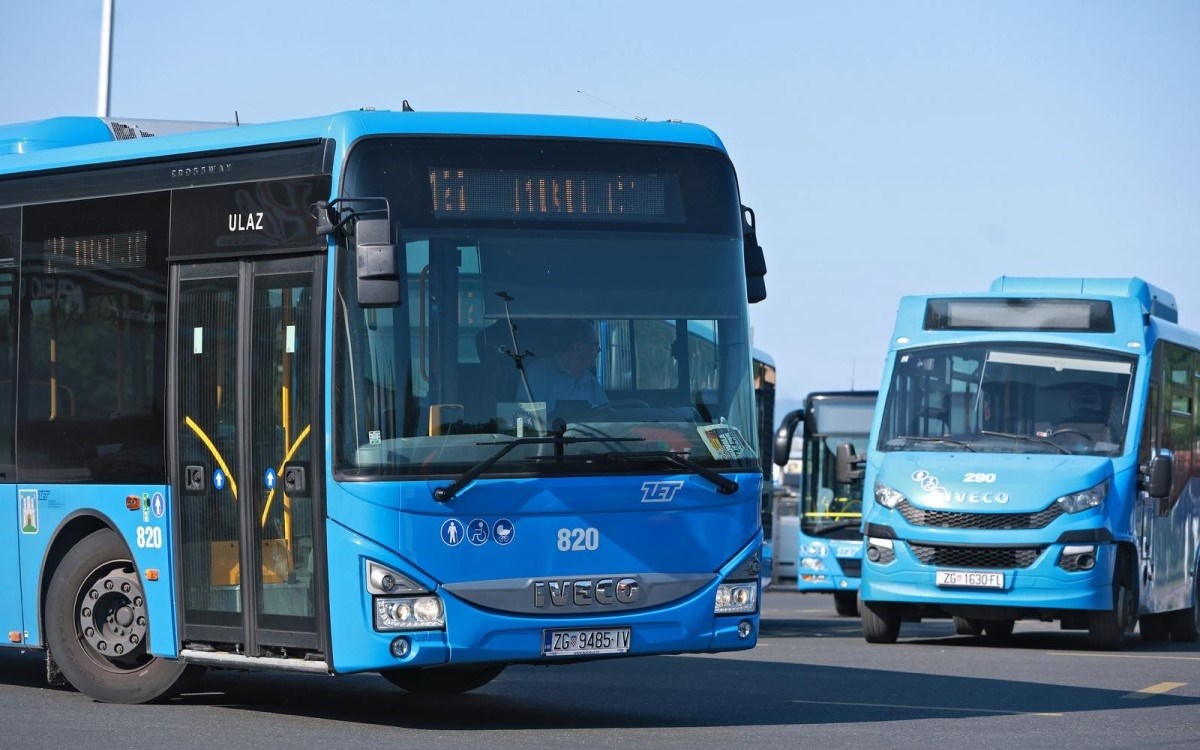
400,647
745,629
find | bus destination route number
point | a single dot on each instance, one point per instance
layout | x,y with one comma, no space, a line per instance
583,642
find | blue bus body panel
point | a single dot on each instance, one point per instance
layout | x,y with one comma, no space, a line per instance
1024,484
53,504
697,532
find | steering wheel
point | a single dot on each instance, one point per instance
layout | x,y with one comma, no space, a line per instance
625,403
1069,431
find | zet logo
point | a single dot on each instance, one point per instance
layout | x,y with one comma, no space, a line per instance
660,492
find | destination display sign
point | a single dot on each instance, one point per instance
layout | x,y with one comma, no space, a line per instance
554,195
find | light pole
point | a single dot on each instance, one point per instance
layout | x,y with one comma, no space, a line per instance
106,34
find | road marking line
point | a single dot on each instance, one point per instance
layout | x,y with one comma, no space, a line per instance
1159,689
927,708
1123,656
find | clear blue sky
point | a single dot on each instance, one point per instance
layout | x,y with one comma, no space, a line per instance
888,147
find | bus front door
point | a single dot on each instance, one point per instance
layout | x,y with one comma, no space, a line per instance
244,454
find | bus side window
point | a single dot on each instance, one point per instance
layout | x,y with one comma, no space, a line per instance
92,354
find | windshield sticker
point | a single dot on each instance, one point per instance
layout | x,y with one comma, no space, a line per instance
724,442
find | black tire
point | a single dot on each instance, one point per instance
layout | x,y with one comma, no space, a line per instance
1107,629
880,624
964,626
1154,628
442,680
846,603
1184,624
97,627
998,630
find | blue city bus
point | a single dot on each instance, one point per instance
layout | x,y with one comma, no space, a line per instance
270,401
763,365
1034,456
829,541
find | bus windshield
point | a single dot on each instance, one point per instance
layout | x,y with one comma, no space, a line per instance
550,289
829,506
1008,398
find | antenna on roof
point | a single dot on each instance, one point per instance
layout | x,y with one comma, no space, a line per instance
236,122
406,107
639,118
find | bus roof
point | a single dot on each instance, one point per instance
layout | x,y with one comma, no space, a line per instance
68,141
1155,301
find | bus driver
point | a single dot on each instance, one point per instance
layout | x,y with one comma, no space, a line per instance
568,375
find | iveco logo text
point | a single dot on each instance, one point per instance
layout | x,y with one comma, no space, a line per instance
203,170
937,491
660,492
585,593
999,498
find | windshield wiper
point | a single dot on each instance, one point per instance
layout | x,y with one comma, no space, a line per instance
725,485
558,440
1028,439
940,440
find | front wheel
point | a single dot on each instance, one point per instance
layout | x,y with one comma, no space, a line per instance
846,603
442,680
1107,629
1185,623
880,624
97,626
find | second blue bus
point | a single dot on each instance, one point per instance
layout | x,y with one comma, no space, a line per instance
1034,456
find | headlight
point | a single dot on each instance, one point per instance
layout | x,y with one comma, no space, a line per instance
886,496
409,613
816,549
733,598
812,563
1080,501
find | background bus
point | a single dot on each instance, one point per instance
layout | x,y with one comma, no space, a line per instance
763,366
826,530
1034,456
271,405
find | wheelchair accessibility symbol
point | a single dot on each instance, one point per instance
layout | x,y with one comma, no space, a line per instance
477,532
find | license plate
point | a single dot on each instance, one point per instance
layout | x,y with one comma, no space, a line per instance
585,642
968,579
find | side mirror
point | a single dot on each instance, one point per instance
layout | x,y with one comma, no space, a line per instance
1160,474
849,464
755,261
375,264
784,435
